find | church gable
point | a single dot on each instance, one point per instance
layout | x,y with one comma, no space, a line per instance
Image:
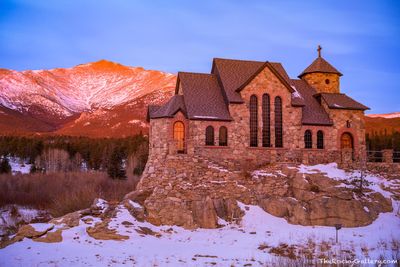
267,80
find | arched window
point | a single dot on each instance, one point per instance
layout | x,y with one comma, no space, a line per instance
179,136
307,139
209,136
223,136
266,121
320,139
253,121
278,122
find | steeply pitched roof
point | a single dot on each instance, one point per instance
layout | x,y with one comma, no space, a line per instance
203,97
312,112
341,101
282,72
234,73
207,96
169,109
320,65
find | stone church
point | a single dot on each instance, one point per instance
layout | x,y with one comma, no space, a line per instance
253,111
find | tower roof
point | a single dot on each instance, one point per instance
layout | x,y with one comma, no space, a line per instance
320,65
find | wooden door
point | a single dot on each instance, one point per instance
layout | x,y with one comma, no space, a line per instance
346,141
179,136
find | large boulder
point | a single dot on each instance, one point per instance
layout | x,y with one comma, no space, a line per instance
135,209
138,196
227,209
276,206
204,214
169,211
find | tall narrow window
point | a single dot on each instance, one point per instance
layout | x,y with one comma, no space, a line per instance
308,139
253,121
320,140
179,136
209,136
223,136
278,122
266,120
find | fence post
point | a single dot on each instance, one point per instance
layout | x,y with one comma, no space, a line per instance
387,155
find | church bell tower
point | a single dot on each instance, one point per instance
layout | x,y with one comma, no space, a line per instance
321,75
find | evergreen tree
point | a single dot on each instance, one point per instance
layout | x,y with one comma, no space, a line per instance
5,166
115,167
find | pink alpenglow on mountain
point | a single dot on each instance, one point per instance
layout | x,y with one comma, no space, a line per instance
81,100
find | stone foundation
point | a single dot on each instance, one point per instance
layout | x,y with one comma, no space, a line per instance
194,191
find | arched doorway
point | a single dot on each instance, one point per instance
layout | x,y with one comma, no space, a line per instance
346,141
179,136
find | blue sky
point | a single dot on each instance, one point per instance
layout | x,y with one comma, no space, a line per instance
360,38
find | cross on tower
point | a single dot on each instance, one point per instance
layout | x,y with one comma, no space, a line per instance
319,50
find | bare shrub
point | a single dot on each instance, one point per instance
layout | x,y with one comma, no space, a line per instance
61,193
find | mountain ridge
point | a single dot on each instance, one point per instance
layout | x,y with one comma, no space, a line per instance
56,97
98,99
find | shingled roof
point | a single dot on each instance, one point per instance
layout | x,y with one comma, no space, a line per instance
312,111
234,73
320,65
203,96
341,101
169,109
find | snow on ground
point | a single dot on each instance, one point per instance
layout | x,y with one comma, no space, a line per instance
19,166
12,215
331,170
232,245
375,182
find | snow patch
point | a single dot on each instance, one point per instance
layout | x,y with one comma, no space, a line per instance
135,204
331,170
19,166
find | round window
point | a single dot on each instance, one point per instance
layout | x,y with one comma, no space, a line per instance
327,81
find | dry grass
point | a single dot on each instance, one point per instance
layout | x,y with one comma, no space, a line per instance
313,254
61,193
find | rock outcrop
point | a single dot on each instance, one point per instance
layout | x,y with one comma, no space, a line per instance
51,232
195,192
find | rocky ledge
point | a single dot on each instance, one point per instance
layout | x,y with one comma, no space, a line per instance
195,192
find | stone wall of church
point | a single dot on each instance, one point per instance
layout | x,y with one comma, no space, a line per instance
323,82
161,138
238,130
352,122
238,152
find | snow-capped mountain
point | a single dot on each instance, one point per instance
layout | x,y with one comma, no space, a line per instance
386,116
97,99
382,124
74,100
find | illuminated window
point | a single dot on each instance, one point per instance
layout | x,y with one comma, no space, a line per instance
179,136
